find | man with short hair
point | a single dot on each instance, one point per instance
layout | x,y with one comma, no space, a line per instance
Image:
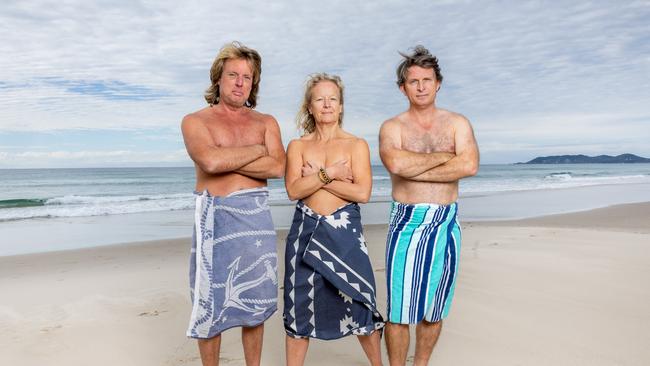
235,149
426,150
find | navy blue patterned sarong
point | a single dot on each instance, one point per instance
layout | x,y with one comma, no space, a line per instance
329,286
233,267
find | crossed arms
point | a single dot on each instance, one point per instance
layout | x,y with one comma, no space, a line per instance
259,161
436,167
351,183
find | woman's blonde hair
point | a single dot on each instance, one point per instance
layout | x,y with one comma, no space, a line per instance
304,119
233,51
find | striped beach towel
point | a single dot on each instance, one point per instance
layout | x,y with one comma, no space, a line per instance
233,266
329,286
422,251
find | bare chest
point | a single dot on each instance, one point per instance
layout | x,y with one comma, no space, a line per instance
438,138
325,155
237,133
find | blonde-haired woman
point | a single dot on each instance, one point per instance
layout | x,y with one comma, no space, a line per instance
329,287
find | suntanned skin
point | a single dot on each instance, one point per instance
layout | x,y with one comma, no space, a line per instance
426,150
346,159
233,147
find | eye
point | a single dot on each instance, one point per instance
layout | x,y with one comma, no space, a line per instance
248,77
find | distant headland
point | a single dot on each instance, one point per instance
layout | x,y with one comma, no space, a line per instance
584,159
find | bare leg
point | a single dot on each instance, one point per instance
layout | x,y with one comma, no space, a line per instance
209,350
252,338
371,345
397,343
426,336
296,350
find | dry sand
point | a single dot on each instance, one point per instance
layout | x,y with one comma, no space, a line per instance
560,290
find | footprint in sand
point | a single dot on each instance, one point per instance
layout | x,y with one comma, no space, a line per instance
52,328
186,360
152,313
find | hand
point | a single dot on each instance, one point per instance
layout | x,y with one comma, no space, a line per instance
309,169
340,171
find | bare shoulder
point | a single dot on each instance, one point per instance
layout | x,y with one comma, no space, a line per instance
391,128
454,117
194,119
361,143
266,119
295,146
351,139
393,122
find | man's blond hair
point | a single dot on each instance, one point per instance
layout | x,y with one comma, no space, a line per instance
234,51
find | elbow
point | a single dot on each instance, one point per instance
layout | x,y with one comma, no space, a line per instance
279,170
209,167
364,199
472,169
292,195
392,165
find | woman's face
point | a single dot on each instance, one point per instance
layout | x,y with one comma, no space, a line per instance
325,103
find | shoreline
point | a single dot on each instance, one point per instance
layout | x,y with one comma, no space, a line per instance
609,218
69,233
512,274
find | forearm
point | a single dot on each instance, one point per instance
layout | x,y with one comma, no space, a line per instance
408,164
227,159
263,168
450,171
349,191
304,187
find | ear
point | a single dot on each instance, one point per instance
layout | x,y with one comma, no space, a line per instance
401,88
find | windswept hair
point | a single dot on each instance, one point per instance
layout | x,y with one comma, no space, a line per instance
420,57
304,119
233,51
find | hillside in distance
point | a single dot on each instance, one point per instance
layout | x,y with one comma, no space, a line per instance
584,159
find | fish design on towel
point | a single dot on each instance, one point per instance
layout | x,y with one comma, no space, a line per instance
329,286
233,266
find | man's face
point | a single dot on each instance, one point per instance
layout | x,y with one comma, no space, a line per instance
236,82
420,86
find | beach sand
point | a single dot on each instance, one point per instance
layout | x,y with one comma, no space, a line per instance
566,289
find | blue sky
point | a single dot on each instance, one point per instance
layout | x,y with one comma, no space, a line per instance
106,83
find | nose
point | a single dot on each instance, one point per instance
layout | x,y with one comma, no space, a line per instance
420,86
239,81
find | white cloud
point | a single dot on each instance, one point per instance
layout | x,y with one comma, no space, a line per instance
40,159
536,64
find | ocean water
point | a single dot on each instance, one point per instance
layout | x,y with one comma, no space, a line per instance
45,210
59,193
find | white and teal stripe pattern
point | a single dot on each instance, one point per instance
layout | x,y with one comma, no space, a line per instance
422,250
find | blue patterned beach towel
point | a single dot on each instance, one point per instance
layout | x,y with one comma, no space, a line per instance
422,251
329,286
233,266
